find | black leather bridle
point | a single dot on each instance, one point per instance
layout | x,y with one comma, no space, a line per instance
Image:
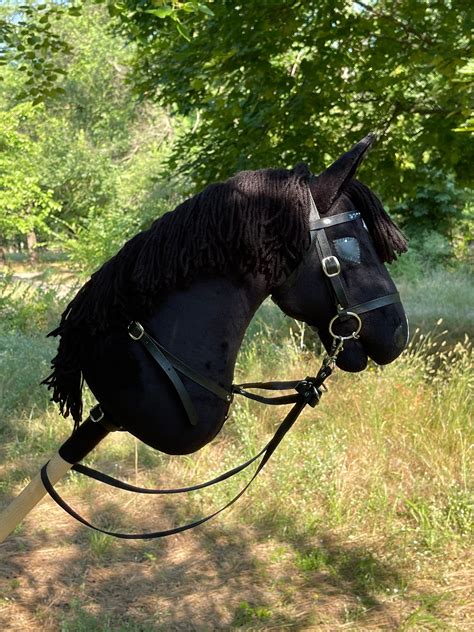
331,267
307,391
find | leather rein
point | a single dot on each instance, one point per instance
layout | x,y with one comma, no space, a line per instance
307,391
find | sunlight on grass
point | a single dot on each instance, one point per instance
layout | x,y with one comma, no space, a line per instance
373,489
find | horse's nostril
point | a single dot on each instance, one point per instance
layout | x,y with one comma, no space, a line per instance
400,337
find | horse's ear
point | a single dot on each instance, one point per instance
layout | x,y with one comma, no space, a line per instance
328,184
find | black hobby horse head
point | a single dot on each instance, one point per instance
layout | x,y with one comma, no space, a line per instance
195,279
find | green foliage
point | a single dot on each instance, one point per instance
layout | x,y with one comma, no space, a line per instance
437,207
26,308
436,520
33,43
428,250
243,86
314,560
27,314
25,361
25,356
247,613
26,203
272,83
88,161
141,195
433,294
101,545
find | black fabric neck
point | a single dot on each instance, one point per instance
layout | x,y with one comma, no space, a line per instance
308,392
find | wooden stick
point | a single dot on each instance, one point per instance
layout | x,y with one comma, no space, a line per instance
31,496
73,450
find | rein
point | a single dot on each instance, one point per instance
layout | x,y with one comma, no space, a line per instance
307,391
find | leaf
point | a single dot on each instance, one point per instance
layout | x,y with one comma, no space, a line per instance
183,31
162,12
205,9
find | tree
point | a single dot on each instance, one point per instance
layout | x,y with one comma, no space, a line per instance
89,155
30,44
32,41
59,158
251,85
25,203
272,83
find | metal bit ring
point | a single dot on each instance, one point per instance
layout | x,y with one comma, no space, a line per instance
354,334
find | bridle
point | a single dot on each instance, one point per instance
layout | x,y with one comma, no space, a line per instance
331,267
307,391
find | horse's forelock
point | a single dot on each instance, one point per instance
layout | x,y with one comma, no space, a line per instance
388,239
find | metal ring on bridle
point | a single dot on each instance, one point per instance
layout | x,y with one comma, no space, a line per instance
354,334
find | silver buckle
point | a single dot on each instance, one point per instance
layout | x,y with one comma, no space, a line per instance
140,328
96,409
331,266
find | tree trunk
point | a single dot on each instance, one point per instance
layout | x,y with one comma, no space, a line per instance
31,245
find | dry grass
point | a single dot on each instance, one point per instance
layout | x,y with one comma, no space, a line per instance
362,520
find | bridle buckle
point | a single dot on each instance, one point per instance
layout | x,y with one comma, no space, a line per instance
96,414
135,330
331,266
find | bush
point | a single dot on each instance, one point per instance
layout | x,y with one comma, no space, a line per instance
428,251
30,308
24,361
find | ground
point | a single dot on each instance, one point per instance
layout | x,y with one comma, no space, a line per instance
362,520
57,575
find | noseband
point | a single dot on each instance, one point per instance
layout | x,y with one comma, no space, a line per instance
332,269
307,391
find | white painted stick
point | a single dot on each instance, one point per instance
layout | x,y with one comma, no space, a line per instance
14,513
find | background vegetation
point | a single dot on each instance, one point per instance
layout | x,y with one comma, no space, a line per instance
110,114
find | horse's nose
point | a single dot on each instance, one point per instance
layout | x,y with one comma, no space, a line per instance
388,342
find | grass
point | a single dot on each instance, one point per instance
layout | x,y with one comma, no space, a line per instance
363,519
247,614
440,293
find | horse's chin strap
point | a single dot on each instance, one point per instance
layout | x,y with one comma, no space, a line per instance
308,392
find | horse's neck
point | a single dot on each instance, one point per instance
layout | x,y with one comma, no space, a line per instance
205,324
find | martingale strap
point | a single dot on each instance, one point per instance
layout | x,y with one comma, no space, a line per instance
170,364
308,392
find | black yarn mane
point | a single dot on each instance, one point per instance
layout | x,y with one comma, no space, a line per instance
254,223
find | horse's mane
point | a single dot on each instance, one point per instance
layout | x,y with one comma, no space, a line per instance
254,223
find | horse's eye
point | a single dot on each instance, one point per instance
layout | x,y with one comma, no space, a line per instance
348,249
